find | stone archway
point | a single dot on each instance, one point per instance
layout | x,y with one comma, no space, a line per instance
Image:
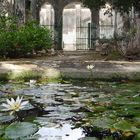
32,11
58,17
76,27
58,6
107,23
47,16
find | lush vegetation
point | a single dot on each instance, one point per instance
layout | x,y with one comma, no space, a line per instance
22,40
121,5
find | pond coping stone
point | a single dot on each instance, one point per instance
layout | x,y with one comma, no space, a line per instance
105,70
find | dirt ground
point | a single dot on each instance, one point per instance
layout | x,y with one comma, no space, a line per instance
73,65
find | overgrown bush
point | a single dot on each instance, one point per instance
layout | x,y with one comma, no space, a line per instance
22,40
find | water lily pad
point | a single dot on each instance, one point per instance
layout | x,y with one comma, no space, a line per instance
128,134
34,137
1,130
103,123
6,119
100,109
137,137
19,130
125,126
81,103
137,120
126,112
28,107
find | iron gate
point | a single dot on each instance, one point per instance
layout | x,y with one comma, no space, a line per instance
85,37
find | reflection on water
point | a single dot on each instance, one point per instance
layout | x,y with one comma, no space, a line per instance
63,133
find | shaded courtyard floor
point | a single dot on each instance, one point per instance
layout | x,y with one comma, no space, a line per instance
73,65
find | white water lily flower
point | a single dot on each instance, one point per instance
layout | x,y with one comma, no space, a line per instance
90,67
14,105
32,81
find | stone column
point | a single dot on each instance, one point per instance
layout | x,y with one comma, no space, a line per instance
58,18
10,8
95,28
137,35
35,10
78,24
49,10
19,7
115,23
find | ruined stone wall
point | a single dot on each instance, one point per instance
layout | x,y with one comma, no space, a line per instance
25,14
58,6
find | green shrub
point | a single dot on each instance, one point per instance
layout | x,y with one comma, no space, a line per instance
8,32
21,40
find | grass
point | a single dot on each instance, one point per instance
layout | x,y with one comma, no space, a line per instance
26,76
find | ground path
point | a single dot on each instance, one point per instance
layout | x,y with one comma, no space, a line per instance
73,65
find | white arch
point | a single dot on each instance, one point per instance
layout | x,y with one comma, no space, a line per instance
75,26
47,15
108,22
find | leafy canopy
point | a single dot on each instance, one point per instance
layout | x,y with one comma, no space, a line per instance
121,5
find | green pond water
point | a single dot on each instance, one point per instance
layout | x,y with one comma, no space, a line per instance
77,110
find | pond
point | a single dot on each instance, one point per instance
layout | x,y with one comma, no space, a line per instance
74,110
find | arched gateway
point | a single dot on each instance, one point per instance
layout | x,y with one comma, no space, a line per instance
34,9
76,27
60,7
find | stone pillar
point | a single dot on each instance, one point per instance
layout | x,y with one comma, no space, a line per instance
49,10
58,18
10,7
78,24
115,24
19,7
95,28
137,35
35,10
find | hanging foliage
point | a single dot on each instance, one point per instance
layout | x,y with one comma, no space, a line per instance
121,5
97,4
